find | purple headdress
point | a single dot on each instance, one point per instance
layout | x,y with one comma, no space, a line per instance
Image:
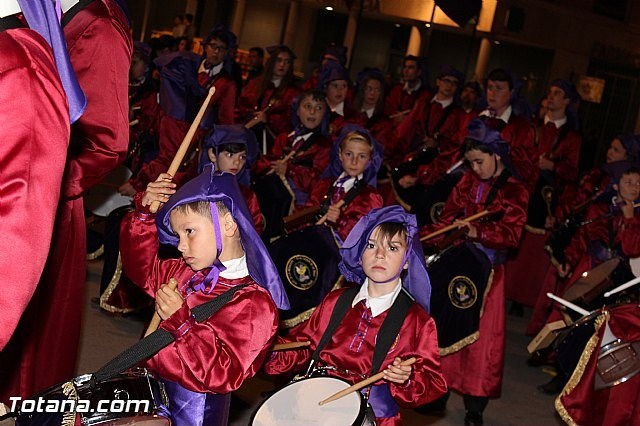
416,281
332,71
478,131
335,165
212,187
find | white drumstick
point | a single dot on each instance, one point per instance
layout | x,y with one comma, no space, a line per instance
455,166
568,304
623,287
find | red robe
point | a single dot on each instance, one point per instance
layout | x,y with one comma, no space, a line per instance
579,403
398,100
477,368
351,348
305,168
32,158
360,206
252,202
337,121
525,273
215,356
278,110
100,47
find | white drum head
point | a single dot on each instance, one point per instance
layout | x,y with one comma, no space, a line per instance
297,404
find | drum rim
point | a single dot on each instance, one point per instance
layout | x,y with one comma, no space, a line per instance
363,402
604,351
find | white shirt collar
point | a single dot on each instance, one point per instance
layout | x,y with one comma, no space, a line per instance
558,123
235,268
339,109
305,136
369,111
67,4
377,304
276,82
9,7
349,183
410,90
445,103
213,71
506,115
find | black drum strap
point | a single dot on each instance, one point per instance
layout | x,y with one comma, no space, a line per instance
357,188
160,338
390,328
497,185
386,335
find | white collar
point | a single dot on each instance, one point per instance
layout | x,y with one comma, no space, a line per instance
235,268
369,111
67,4
506,115
377,304
276,82
445,103
558,123
213,71
339,109
410,90
305,136
9,7
349,183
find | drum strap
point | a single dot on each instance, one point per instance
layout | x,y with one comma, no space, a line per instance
348,197
386,335
497,185
160,338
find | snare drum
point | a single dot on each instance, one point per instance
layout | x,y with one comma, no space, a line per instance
297,404
137,384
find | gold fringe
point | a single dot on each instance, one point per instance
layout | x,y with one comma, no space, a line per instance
69,417
104,297
302,317
96,254
466,341
592,345
537,231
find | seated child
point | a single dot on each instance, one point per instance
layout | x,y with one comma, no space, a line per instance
233,149
209,223
384,255
355,160
297,172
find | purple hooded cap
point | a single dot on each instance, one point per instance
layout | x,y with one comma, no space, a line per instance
332,71
223,34
369,74
448,70
568,88
231,134
212,187
339,52
478,131
42,18
416,282
631,144
274,50
335,165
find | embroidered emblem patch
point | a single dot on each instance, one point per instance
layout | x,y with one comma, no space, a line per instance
302,272
436,211
463,293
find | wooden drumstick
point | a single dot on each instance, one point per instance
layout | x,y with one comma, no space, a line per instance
184,146
454,226
290,345
288,157
568,304
623,287
155,321
323,219
400,113
362,384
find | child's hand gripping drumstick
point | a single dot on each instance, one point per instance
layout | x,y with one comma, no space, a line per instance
184,146
155,321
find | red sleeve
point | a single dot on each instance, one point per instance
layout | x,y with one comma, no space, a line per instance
360,206
279,116
100,46
263,165
630,236
224,99
303,176
35,137
566,168
248,100
524,154
252,202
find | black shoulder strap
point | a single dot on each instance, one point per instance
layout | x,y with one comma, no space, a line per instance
160,338
349,196
339,311
390,328
497,185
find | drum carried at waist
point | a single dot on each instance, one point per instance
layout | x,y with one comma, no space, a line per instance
132,397
307,261
297,404
276,199
460,277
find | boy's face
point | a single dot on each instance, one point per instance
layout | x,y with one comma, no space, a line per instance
336,91
557,100
498,94
482,163
215,51
311,112
616,151
372,92
447,86
281,64
410,71
629,186
355,156
382,259
197,238
228,162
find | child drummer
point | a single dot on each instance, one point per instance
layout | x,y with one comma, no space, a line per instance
209,223
384,255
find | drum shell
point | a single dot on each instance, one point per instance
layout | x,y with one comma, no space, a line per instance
136,384
353,405
617,362
307,261
572,340
276,201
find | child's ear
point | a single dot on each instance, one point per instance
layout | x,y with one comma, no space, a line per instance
406,265
230,226
616,187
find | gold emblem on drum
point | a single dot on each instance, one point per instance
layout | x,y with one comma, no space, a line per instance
463,293
302,272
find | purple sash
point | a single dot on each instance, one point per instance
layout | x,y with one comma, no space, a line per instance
194,408
382,402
